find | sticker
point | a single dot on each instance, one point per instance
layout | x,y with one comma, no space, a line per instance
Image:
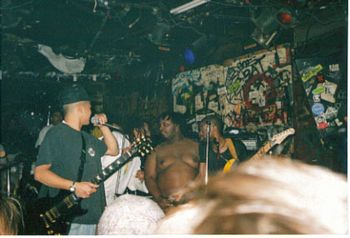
200,117
330,87
319,90
322,125
316,98
311,73
334,67
327,97
253,94
331,113
261,102
91,152
317,109
213,106
278,104
308,90
222,91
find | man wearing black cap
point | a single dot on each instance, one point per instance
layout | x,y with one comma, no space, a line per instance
60,163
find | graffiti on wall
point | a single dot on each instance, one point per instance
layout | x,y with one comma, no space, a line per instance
253,89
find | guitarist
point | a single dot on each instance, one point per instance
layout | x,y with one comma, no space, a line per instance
63,158
222,151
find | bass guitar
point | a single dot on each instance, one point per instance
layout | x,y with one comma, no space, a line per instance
55,220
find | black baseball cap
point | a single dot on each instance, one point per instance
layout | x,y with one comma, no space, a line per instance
72,94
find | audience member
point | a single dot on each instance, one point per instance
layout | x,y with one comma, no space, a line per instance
2,151
271,196
126,177
173,164
130,215
56,118
11,217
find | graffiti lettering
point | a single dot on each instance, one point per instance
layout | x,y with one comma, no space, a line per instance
239,74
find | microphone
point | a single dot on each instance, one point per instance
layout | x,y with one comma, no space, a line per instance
94,120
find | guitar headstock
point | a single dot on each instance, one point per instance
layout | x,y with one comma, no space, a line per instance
280,137
143,145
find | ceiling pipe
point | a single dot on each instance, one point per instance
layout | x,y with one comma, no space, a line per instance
187,6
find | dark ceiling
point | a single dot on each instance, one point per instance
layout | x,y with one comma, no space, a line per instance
131,39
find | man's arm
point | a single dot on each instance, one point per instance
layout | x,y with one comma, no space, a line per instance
151,175
200,179
109,139
151,181
43,174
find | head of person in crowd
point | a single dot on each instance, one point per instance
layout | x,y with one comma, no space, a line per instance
140,127
2,151
172,125
271,196
56,117
130,215
11,220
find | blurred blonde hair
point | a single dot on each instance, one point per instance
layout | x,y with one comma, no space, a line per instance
11,220
271,196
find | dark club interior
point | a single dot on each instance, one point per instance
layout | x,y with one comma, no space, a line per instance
201,92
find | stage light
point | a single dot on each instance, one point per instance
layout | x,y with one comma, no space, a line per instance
268,23
189,56
187,6
285,17
262,38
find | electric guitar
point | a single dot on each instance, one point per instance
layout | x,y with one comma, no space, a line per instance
54,221
276,139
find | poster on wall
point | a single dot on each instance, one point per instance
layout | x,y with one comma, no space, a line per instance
321,78
254,89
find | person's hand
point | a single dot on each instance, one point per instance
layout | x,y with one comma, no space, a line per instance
85,189
164,204
140,175
101,119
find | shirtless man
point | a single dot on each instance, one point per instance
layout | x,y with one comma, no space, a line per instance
173,164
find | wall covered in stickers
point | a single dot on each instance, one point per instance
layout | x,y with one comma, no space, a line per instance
322,80
255,89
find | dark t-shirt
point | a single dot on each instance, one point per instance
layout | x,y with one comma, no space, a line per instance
62,149
216,162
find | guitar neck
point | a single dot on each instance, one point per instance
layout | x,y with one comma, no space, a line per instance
112,168
263,150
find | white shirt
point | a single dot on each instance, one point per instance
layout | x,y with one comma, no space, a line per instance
125,176
42,135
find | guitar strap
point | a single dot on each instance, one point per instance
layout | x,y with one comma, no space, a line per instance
82,159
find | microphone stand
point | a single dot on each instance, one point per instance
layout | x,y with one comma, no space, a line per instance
207,151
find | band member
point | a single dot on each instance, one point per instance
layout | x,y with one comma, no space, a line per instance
173,164
63,152
222,152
